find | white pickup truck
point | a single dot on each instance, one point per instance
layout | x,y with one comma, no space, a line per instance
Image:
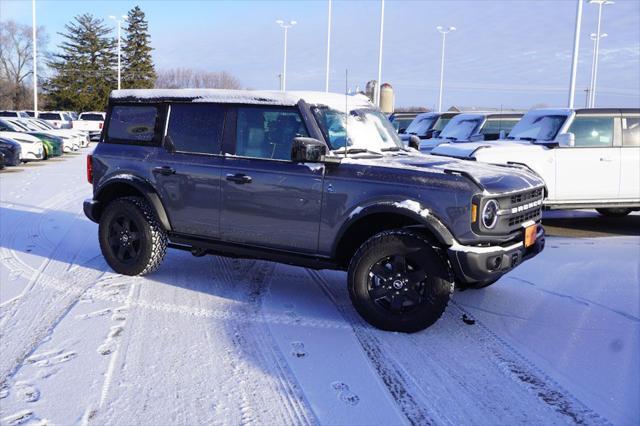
91,122
588,158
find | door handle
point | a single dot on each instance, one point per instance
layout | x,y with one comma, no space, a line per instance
607,159
239,178
164,170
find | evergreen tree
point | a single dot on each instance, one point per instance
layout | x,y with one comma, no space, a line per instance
85,68
137,65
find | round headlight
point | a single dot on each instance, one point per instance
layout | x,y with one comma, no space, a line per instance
490,214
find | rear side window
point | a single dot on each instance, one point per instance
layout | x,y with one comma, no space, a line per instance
133,123
196,128
49,116
631,131
594,132
267,133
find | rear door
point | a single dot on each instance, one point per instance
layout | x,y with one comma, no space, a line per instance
630,158
187,169
268,200
590,170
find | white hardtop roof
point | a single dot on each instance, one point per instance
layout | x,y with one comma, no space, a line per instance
256,97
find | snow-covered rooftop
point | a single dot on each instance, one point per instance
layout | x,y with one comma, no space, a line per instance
259,97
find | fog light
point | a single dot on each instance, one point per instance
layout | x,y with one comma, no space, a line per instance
494,263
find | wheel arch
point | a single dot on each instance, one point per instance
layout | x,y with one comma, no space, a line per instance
365,222
129,185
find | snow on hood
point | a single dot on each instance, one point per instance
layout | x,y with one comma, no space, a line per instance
467,150
493,178
259,97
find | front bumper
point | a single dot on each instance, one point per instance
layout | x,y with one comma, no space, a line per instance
483,264
92,209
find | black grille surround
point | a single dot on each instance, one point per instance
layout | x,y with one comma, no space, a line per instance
514,210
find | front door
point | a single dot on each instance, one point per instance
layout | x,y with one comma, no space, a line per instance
187,172
267,200
590,170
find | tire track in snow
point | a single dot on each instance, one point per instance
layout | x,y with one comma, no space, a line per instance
443,370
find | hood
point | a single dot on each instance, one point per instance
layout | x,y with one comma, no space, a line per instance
20,137
428,145
469,150
491,178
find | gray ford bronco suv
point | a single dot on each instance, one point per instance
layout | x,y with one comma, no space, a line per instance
310,179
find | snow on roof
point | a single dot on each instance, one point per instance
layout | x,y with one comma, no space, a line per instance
549,111
259,97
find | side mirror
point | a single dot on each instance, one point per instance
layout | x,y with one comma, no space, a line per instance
503,135
307,150
402,130
476,138
566,139
414,142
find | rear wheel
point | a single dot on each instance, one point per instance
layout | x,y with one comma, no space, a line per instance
398,281
614,212
131,240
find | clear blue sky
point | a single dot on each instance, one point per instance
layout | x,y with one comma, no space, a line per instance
514,53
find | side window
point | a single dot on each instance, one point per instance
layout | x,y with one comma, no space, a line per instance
267,132
631,131
133,123
492,128
595,132
196,128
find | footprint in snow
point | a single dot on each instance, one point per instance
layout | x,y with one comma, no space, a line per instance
345,394
17,418
63,357
27,392
297,350
4,391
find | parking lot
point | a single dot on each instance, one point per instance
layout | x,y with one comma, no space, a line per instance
552,342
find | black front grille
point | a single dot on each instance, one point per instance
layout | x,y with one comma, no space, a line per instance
526,196
524,217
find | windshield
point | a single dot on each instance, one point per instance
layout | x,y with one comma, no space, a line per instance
20,126
368,129
91,117
461,128
44,125
441,123
538,127
420,126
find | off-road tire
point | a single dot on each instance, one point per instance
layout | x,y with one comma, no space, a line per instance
437,287
614,212
153,239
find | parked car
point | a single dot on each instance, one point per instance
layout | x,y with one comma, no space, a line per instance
7,113
11,151
299,178
31,147
74,140
471,127
58,119
427,125
91,122
401,120
589,158
53,145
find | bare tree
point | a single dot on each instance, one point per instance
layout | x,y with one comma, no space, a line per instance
182,78
16,59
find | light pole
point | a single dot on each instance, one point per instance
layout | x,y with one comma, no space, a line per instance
119,21
594,38
444,32
326,81
35,59
598,36
576,49
286,26
377,88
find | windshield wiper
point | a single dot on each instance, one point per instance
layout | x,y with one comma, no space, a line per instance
527,138
356,151
452,138
393,148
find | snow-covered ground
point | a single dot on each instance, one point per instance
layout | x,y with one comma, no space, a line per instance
220,341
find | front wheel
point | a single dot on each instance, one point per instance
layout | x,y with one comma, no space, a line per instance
613,212
131,239
398,281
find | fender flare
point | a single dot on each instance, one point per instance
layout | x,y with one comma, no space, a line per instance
142,186
409,208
